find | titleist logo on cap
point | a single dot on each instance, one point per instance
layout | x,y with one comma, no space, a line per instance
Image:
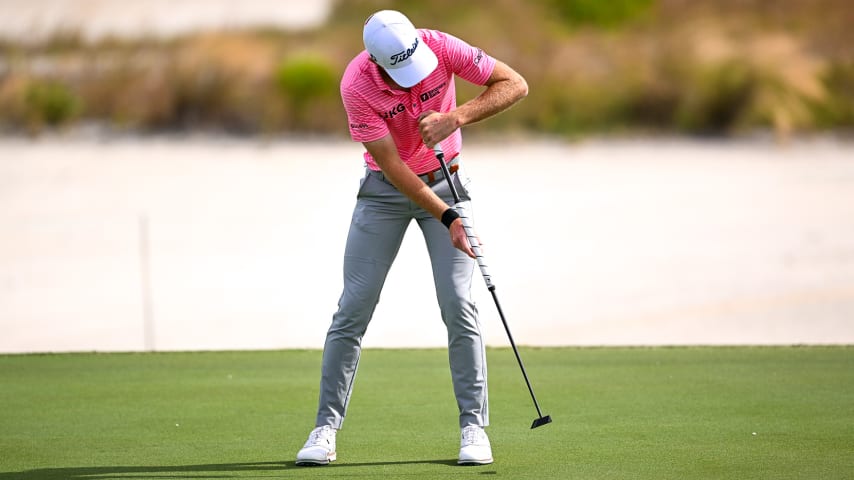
398,47
401,56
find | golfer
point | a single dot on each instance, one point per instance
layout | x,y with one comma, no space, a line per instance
400,100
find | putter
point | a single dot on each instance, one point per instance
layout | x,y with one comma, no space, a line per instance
475,246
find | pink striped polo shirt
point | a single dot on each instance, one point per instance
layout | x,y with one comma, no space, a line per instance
375,110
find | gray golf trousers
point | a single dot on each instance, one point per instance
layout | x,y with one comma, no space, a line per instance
380,219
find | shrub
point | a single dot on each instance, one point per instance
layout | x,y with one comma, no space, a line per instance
715,98
307,83
838,109
50,103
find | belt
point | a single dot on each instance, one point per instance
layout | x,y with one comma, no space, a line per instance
429,177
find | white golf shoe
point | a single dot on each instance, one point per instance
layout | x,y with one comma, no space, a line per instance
474,447
319,449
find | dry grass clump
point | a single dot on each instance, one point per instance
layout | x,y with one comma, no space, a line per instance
695,80
219,81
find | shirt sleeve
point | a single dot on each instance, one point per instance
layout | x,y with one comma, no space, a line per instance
469,63
365,124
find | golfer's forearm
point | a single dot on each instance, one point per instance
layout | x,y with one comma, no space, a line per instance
416,190
504,88
494,100
385,154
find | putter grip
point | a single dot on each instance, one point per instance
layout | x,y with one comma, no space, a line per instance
472,238
475,246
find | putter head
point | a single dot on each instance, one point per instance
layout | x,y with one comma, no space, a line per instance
541,421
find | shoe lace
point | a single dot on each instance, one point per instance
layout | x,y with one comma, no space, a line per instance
471,435
319,435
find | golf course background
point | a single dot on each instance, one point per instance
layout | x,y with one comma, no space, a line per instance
719,67
191,191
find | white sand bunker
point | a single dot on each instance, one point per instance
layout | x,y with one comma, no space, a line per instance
220,244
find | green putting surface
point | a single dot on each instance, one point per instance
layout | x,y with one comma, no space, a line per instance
681,413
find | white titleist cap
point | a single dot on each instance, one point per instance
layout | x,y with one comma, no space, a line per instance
394,43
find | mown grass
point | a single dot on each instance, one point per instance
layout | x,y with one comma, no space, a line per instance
618,413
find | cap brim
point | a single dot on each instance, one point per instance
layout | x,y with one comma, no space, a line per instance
422,64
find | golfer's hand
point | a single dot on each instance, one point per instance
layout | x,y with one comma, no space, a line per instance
460,239
435,127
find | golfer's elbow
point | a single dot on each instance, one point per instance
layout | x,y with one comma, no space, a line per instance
516,86
512,84
520,87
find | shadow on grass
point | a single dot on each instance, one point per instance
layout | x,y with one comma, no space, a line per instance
224,470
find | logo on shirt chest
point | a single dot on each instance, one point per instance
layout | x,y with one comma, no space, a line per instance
400,108
432,92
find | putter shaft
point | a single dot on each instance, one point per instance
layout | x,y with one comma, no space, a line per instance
475,246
